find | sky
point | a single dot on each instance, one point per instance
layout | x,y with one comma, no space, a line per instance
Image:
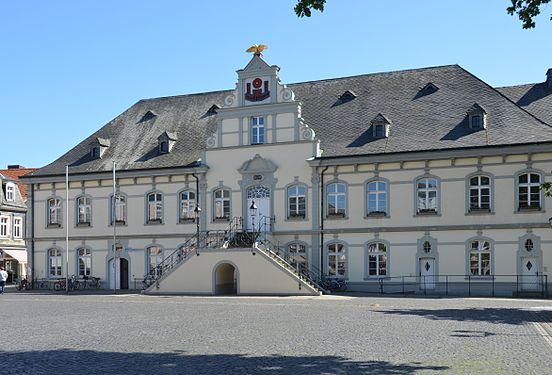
68,67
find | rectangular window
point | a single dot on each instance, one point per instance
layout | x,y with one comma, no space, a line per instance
155,208
257,130
297,201
336,199
10,192
529,193
187,206
377,198
222,204
54,212
17,227
480,193
427,195
119,209
84,211
4,224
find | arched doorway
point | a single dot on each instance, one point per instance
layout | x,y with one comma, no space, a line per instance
226,279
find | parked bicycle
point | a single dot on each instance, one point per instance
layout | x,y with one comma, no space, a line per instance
23,284
333,284
74,284
90,282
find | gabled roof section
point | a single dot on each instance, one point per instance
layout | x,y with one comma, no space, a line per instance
428,89
476,109
104,142
168,135
347,96
14,174
149,115
256,63
213,109
380,119
535,98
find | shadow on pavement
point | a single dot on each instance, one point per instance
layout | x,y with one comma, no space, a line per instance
67,361
490,315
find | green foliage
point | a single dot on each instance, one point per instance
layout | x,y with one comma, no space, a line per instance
303,7
546,187
526,10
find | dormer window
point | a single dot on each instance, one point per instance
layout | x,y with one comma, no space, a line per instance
166,142
98,147
10,192
380,126
428,89
213,110
477,117
148,116
347,96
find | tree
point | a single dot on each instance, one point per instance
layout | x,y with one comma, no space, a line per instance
525,9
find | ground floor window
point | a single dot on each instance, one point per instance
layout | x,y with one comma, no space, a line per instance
54,263
155,257
377,259
298,257
336,260
85,262
480,258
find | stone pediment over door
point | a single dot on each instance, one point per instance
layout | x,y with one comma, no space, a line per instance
258,165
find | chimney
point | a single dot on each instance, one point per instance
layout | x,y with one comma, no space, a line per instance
549,78
15,166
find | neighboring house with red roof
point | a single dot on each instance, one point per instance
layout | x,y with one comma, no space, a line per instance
13,209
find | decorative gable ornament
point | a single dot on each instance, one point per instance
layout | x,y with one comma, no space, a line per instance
257,90
477,117
380,126
98,147
258,165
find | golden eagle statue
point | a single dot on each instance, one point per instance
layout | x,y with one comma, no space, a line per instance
257,48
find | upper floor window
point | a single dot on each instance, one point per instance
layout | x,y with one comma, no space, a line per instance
155,208
426,193
84,262
187,206
477,117
54,263
118,209
222,204
376,198
529,193
380,126
377,259
337,199
297,198
336,260
480,258
4,225
84,210
17,227
257,130
54,212
298,256
155,257
480,193
10,192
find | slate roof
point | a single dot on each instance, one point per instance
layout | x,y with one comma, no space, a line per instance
420,120
535,98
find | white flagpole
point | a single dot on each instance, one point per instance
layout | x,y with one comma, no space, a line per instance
114,223
67,229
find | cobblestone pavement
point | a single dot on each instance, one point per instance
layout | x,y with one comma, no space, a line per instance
135,334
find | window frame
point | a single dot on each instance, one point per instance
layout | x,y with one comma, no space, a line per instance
296,195
225,217
379,255
87,257
257,129
57,209
10,191
298,254
367,193
479,252
58,266
418,211
335,254
114,210
479,187
158,206
336,194
159,259
191,210
529,185
17,230
4,226
87,205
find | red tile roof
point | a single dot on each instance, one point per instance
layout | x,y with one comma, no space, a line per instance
14,174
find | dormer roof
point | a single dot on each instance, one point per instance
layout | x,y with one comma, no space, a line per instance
476,109
104,142
171,136
380,119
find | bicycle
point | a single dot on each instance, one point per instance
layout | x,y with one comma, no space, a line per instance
23,284
92,282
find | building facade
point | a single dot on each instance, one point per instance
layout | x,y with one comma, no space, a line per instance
425,179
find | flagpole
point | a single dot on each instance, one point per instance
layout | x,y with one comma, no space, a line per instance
67,229
114,219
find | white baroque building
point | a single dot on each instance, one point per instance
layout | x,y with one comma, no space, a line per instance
422,181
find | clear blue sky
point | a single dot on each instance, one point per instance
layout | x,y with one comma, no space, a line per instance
68,67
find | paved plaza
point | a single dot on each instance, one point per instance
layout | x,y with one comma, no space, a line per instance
136,334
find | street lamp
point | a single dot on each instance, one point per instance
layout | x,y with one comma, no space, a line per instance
252,214
197,211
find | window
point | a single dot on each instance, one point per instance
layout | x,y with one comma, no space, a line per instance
17,227
476,122
297,197
95,152
336,260
529,245
222,204
163,147
426,247
155,208
336,199
480,193
54,212
480,258
187,206
155,258
298,257
529,195
4,224
84,211
376,198
10,192
84,262
257,130
118,209
426,195
54,263
377,259
379,130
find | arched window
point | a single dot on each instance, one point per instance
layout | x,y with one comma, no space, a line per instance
222,204
480,193
376,198
298,257
155,208
337,199
84,211
54,263
377,259
336,260
529,194
297,198
84,262
155,257
118,209
480,258
187,206
427,197
54,212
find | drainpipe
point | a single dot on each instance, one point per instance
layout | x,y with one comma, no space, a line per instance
322,221
197,211
32,236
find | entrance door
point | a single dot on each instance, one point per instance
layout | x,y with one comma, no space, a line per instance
427,273
123,266
225,279
261,196
530,273
114,274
